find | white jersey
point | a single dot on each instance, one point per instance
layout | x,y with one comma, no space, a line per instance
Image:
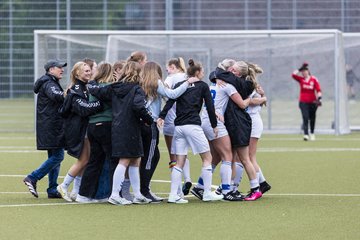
254,109
171,81
220,96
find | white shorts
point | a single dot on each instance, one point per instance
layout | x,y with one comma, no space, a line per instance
169,128
209,131
256,126
189,136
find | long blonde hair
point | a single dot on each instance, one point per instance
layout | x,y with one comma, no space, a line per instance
77,69
150,75
248,70
226,63
131,72
104,73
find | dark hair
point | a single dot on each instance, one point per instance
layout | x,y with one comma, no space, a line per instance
193,68
303,67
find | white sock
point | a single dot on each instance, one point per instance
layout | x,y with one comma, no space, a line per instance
67,181
258,176
239,169
261,176
176,175
118,179
134,176
254,183
77,183
225,174
186,171
206,174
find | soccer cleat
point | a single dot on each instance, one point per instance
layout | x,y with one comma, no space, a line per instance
232,197
156,197
197,192
31,186
150,197
176,199
186,188
211,196
141,200
264,187
306,137
54,195
239,194
218,191
64,193
117,200
312,137
253,195
82,199
101,200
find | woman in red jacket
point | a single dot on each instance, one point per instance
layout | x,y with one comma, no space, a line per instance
309,100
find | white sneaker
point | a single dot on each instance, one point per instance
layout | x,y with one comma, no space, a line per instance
64,193
103,200
73,196
82,199
312,137
176,199
306,137
117,200
141,200
212,196
156,197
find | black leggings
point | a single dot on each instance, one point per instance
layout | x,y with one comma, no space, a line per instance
308,112
148,164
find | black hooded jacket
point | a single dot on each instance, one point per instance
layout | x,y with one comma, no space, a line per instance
237,120
49,123
128,110
75,110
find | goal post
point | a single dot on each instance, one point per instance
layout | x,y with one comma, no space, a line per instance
278,52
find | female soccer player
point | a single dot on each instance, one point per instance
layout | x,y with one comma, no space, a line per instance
309,99
128,110
155,90
177,73
188,132
221,144
76,110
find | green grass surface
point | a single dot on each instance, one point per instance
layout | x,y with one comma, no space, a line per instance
315,195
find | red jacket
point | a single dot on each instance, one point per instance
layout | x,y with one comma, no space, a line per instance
307,88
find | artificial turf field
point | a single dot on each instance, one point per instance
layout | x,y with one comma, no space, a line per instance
315,195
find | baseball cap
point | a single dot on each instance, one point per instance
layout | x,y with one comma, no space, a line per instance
54,63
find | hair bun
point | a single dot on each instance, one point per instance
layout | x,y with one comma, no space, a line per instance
191,62
305,64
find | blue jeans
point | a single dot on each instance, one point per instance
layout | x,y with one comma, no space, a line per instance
51,167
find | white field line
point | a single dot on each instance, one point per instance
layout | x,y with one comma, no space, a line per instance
265,150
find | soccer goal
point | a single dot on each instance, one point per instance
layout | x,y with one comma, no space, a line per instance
277,52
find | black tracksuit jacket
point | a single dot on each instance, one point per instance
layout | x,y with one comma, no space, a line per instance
76,110
237,120
128,109
189,105
49,123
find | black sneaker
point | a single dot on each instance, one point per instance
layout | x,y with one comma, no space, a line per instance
197,192
151,197
54,195
264,187
238,194
218,191
31,185
232,196
186,188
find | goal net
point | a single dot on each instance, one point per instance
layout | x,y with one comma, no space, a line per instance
277,52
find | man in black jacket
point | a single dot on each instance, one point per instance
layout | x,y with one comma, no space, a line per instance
49,127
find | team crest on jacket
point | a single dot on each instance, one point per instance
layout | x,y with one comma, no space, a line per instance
77,87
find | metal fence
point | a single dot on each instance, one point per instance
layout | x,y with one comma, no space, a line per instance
21,17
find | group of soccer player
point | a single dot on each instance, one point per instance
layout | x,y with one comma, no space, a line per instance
112,117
